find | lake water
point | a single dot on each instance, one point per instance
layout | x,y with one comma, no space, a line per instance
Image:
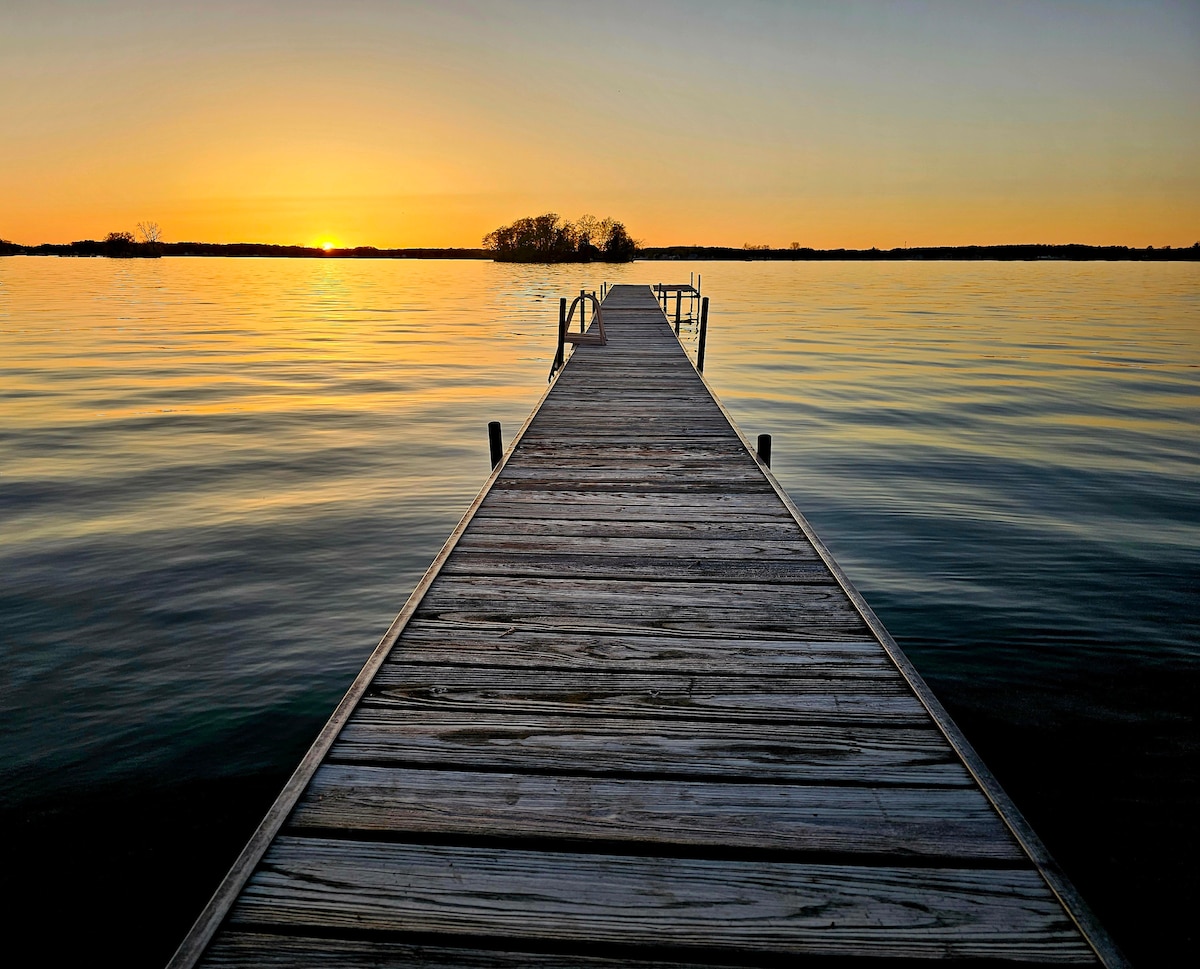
220,479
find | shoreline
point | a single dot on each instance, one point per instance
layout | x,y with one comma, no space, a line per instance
1036,252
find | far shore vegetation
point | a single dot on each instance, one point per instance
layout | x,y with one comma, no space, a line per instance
548,239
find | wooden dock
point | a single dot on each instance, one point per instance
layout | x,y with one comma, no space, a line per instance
634,714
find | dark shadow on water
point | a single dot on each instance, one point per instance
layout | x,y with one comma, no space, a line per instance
1106,788
134,866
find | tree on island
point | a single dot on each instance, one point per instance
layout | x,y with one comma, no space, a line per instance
547,238
124,245
119,244
150,233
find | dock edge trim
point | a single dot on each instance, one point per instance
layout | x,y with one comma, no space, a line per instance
210,920
1073,904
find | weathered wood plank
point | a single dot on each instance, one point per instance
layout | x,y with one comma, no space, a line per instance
650,464
678,434
816,752
577,455
648,415
627,507
658,619
701,472
479,541
672,395
679,408
634,448
782,699
236,949
563,526
580,646
638,395
636,606
648,426
624,567
787,909
630,452
634,482
668,631
605,593
944,823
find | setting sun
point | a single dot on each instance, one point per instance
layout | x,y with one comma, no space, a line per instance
327,246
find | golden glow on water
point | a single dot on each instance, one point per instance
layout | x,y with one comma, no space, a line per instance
174,405
264,367
260,364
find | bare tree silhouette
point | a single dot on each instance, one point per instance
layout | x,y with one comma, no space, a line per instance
150,232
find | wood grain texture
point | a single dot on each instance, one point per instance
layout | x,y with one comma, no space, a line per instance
626,506
769,907
955,823
415,688
676,568
811,609
562,524
820,597
583,646
272,950
817,752
479,541
609,483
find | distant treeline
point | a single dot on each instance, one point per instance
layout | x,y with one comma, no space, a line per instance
1021,252
91,247
123,247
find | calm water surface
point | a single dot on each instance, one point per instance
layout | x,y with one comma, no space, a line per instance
219,480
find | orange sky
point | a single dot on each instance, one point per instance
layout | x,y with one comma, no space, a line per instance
412,124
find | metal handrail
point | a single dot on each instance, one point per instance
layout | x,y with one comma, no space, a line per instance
598,318
565,335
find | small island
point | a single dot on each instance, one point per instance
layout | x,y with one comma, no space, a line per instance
547,238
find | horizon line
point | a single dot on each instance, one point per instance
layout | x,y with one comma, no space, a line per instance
745,250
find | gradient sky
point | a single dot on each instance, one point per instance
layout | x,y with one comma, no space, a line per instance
365,122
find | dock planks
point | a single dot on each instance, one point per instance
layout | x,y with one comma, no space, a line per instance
635,715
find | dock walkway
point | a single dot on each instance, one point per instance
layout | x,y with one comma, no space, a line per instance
634,714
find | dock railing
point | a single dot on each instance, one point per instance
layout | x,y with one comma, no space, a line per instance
696,320
690,290
565,335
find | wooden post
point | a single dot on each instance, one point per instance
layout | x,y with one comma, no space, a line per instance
562,335
496,442
703,334
582,311
662,296
678,306
764,449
